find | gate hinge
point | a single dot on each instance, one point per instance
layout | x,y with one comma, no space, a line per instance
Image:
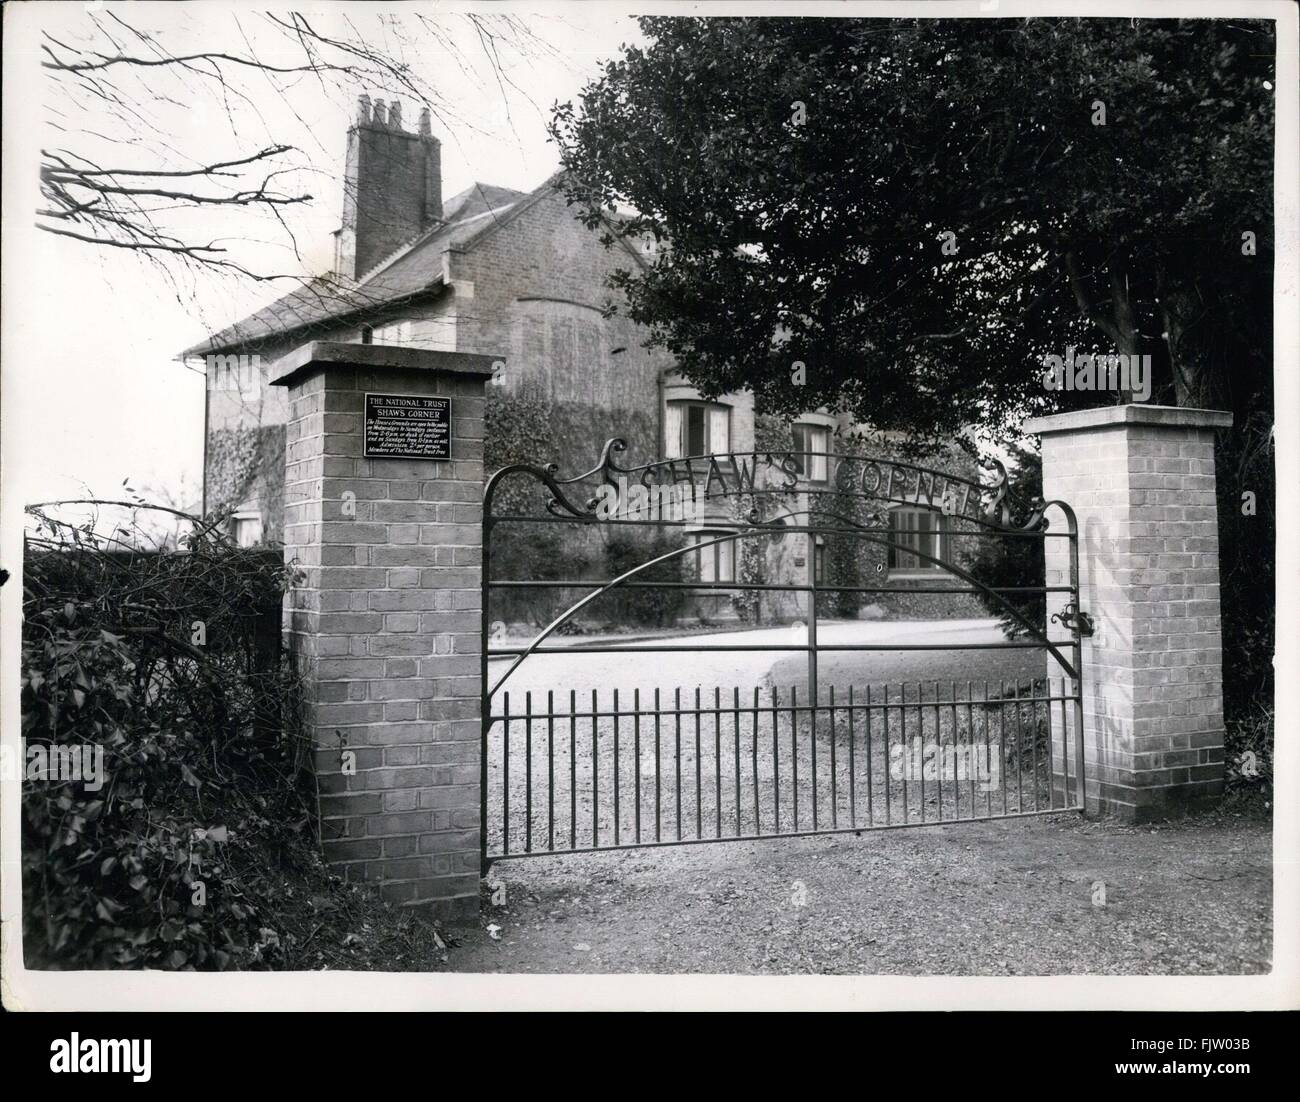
1072,618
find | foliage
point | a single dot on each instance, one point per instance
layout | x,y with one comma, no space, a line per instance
657,607
1248,752
170,663
773,435
842,556
517,428
1027,186
1247,568
1015,562
520,426
786,230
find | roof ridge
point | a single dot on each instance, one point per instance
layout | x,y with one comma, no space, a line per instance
411,243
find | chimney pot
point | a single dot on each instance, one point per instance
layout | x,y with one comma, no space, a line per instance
392,186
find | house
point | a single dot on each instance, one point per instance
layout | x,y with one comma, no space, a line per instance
489,270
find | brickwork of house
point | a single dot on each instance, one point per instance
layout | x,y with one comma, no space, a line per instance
534,288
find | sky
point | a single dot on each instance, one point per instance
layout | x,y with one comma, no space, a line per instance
93,394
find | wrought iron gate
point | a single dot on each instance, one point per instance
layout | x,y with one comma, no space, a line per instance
572,768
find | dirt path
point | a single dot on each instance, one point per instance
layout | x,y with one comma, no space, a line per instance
1010,898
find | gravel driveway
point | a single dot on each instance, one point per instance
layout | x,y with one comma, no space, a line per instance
603,750
727,670
1050,896
1031,896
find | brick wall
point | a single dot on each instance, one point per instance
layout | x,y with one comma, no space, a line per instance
1141,482
534,288
385,624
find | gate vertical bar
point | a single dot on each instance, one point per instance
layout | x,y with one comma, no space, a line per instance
485,695
1077,654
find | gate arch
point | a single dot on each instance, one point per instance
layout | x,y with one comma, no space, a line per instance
781,736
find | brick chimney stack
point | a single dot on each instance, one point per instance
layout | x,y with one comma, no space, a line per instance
392,186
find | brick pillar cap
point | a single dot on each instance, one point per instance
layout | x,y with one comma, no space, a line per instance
319,355
1133,414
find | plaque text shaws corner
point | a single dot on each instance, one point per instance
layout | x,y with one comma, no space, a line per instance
407,426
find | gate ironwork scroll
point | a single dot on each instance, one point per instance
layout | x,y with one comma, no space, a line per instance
578,763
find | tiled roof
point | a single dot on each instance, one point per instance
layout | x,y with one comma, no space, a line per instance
409,270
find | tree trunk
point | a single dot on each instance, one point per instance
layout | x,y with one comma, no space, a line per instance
1179,308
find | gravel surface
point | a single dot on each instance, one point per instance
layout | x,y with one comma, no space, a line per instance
705,745
1031,896
1020,897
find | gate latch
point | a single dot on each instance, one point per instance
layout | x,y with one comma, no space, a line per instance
1072,618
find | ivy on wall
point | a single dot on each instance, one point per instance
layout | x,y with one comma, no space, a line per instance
247,463
842,558
524,425
771,434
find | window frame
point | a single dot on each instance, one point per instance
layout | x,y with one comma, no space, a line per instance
395,334
718,551
680,449
939,542
808,455
251,517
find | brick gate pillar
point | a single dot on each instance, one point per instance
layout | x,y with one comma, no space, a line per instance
385,623
1141,482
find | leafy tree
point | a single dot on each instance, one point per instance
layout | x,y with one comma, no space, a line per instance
1015,562
919,211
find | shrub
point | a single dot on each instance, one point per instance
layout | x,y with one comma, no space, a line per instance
1248,752
170,664
1015,562
656,607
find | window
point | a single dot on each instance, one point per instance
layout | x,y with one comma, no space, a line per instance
697,428
247,528
367,334
917,529
398,332
819,561
716,563
811,443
